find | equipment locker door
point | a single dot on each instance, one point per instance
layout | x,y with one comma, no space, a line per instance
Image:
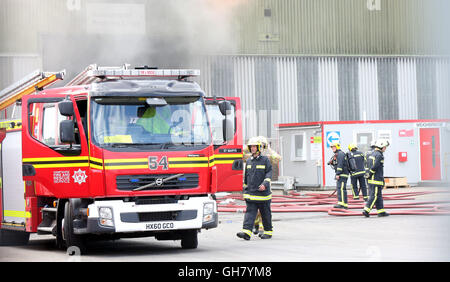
430,154
228,155
11,183
59,168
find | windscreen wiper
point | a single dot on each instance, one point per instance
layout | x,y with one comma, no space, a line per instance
164,145
122,145
160,182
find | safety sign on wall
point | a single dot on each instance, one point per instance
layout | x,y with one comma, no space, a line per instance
332,136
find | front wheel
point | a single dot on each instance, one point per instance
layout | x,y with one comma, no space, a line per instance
189,239
74,242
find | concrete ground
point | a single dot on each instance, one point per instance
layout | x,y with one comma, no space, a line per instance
298,237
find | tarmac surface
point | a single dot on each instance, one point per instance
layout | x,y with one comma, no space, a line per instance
297,237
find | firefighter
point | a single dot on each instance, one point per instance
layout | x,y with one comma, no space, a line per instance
274,158
340,166
257,193
357,170
156,120
368,154
375,178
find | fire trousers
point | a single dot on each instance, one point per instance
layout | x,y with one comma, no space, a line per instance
375,198
251,212
341,191
362,185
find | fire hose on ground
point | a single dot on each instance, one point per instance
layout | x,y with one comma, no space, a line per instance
323,202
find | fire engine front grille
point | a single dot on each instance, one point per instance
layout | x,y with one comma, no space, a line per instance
157,216
130,182
179,215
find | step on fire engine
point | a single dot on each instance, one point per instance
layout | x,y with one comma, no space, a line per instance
117,152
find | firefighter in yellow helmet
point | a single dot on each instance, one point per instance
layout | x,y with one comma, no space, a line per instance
266,150
357,171
339,163
375,178
257,192
274,158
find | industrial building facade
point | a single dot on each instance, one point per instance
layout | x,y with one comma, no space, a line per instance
290,61
289,89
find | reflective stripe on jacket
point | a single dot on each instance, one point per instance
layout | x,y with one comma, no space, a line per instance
376,170
258,170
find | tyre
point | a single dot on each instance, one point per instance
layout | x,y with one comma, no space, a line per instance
13,238
189,239
74,243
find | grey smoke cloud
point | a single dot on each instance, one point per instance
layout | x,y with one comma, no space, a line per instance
170,33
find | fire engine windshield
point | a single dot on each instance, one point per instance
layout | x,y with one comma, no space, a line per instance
158,123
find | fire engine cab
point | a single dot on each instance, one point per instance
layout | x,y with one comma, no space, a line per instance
119,152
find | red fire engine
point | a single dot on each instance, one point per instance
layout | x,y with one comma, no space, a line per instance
119,152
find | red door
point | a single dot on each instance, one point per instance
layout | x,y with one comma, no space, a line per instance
228,155
430,154
61,169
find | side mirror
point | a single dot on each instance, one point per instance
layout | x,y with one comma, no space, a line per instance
66,108
225,107
67,131
228,129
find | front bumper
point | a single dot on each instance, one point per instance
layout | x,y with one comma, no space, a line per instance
129,217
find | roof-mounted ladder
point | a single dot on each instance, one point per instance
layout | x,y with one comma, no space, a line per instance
31,83
93,73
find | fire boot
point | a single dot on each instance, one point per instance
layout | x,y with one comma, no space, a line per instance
381,214
243,235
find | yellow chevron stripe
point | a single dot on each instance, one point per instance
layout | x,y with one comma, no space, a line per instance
125,160
95,166
21,214
229,156
127,167
188,165
83,158
61,165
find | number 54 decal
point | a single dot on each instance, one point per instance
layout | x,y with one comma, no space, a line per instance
154,163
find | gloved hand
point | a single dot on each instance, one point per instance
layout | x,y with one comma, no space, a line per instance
367,175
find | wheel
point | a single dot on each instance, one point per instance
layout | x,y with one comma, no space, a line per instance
74,243
13,238
189,239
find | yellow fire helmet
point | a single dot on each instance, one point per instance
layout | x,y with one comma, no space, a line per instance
337,145
352,146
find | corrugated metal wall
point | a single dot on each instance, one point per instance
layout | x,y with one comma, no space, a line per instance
352,27
313,27
285,89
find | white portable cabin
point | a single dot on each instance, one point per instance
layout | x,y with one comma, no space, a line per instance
418,149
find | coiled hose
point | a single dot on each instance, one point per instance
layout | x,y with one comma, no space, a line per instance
323,202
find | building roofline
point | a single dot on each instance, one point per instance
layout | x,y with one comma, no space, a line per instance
317,123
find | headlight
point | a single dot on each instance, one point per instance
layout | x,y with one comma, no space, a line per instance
105,213
208,211
106,216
